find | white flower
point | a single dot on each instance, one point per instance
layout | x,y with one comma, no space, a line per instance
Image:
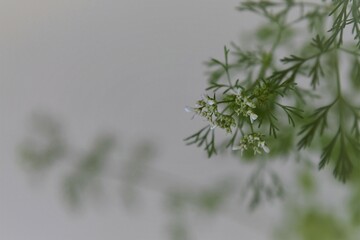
189,109
252,116
250,104
208,100
235,148
264,147
252,141
241,147
237,91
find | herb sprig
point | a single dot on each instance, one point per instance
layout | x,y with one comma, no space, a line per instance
256,95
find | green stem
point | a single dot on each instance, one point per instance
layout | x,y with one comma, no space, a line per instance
352,52
252,128
226,51
337,75
339,92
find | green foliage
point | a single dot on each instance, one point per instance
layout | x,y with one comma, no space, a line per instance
354,73
262,93
202,138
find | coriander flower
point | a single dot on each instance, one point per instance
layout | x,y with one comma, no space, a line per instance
210,101
225,122
189,109
252,116
207,107
252,141
245,107
264,147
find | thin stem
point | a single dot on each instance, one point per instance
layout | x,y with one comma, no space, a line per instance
339,92
352,52
337,75
252,128
226,51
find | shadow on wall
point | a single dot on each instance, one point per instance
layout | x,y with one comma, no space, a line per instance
46,148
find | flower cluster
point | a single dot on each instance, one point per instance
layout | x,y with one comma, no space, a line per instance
225,121
207,107
245,107
262,93
253,141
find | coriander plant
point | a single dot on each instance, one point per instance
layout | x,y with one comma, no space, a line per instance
293,92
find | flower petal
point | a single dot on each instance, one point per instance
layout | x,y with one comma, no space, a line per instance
235,148
189,109
266,149
253,117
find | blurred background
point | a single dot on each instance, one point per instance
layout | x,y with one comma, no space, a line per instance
93,93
